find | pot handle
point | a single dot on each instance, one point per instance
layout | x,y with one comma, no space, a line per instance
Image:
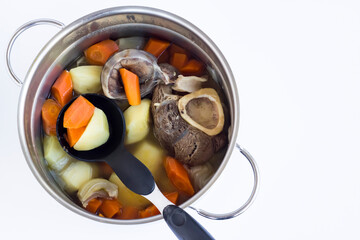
42,21
246,205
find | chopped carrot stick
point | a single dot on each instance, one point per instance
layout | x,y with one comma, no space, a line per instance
79,113
62,90
110,207
152,210
93,205
178,60
100,52
149,212
131,86
177,49
178,175
74,134
192,67
172,197
156,47
49,113
128,212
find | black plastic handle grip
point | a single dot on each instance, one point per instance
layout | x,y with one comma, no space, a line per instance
183,225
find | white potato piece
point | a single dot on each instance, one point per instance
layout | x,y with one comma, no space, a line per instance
150,153
137,119
86,79
126,196
55,156
77,174
96,132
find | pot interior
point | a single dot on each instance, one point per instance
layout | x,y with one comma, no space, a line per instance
70,42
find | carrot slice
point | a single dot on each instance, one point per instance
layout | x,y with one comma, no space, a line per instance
149,212
177,49
74,134
131,86
128,212
105,169
152,210
49,113
62,90
156,47
178,60
192,67
93,205
110,207
100,52
178,175
79,113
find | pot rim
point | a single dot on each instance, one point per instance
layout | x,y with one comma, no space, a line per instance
233,91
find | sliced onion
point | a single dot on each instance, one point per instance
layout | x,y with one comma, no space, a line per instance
97,187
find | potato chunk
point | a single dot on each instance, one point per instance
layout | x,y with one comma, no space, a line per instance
137,119
55,156
96,132
86,79
77,174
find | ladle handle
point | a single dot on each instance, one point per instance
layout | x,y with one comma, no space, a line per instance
183,225
20,30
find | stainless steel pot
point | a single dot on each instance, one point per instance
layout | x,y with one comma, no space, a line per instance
70,42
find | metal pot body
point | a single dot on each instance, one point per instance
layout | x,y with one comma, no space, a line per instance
113,23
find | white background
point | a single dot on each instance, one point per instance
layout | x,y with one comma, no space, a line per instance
297,66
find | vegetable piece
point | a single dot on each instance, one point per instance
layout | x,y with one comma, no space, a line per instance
149,212
137,121
105,169
178,60
131,86
76,174
74,134
96,132
126,196
110,207
152,155
86,79
201,174
152,210
100,52
177,49
156,47
128,212
95,188
49,113
93,205
131,43
192,67
178,175
54,154
188,84
62,90
79,113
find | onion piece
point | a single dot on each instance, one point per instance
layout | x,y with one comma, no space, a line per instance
97,187
131,43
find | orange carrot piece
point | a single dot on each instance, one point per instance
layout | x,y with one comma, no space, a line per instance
110,207
74,134
178,60
156,47
49,113
149,212
178,175
62,90
100,52
164,57
172,197
192,67
131,86
93,205
177,49
79,113
128,212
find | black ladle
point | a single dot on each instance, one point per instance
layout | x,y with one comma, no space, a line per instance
133,173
